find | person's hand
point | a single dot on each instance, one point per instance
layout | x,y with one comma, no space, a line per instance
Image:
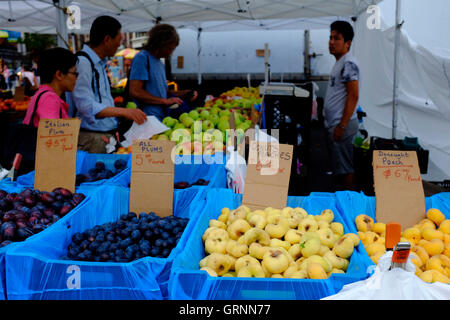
137,115
194,95
338,133
174,100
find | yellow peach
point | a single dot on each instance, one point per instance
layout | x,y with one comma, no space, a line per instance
435,215
412,234
430,234
432,247
379,227
445,226
421,253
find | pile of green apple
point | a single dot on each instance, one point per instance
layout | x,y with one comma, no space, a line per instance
273,243
202,131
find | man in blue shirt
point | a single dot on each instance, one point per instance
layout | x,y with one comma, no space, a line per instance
148,83
91,100
340,104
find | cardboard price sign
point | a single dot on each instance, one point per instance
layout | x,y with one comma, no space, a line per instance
268,175
398,187
152,177
56,154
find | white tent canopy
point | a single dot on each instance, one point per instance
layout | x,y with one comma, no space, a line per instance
210,15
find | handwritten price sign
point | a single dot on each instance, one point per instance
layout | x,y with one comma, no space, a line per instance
398,187
152,177
56,151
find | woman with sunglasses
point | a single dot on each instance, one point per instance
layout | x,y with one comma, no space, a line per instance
57,68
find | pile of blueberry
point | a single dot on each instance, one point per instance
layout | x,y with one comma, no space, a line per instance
31,211
131,238
99,172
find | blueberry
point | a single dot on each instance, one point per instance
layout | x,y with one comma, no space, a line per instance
159,243
77,238
100,237
154,251
124,217
165,235
110,237
114,246
165,253
148,234
125,243
131,215
135,220
135,235
100,166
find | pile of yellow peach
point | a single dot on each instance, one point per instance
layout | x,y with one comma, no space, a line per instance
274,243
429,239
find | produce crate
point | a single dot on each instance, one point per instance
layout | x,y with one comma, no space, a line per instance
35,270
10,187
188,282
85,161
351,204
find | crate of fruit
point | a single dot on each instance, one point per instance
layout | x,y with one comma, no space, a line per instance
429,237
91,170
304,251
102,252
25,213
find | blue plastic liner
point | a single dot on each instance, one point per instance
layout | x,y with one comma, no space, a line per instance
351,204
188,282
85,161
10,187
34,269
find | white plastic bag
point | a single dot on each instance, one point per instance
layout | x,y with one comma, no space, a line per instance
395,284
144,131
236,168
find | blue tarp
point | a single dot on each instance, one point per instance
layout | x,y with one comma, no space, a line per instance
10,187
352,204
85,161
188,282
35,271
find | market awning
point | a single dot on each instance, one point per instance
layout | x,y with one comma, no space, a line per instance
211,15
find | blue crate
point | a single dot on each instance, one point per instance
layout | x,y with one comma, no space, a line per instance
35,271
188,282
85,161
11,186
351,204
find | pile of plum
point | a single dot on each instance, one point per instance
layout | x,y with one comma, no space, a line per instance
31,211
128,239
184,184
99,172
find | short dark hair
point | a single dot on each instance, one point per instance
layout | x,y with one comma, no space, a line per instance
161,35
101,27
344,28
53,60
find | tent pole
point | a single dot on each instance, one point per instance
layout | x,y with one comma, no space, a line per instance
398,26
199,49
61,25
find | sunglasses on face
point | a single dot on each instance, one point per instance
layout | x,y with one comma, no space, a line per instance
74,73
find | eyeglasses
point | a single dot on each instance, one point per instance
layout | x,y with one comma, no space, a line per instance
74,73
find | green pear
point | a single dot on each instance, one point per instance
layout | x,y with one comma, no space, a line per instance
206,124
193,114
187,121
169,122
131,105
204,114
183,115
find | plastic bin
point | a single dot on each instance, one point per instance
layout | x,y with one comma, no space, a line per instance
10,186
188,282
35,271
85,161
351,204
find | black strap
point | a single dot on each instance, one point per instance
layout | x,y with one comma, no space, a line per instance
36,106
96,76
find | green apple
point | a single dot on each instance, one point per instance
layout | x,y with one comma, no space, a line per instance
223,125
206,124
225,113
183,115
214,110
178,126
168,133
169,122
214,118
131,105
204,114
187,121
193,114
162,137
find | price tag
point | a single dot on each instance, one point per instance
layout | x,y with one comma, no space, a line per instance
268,175
56,154
398,187
152,177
